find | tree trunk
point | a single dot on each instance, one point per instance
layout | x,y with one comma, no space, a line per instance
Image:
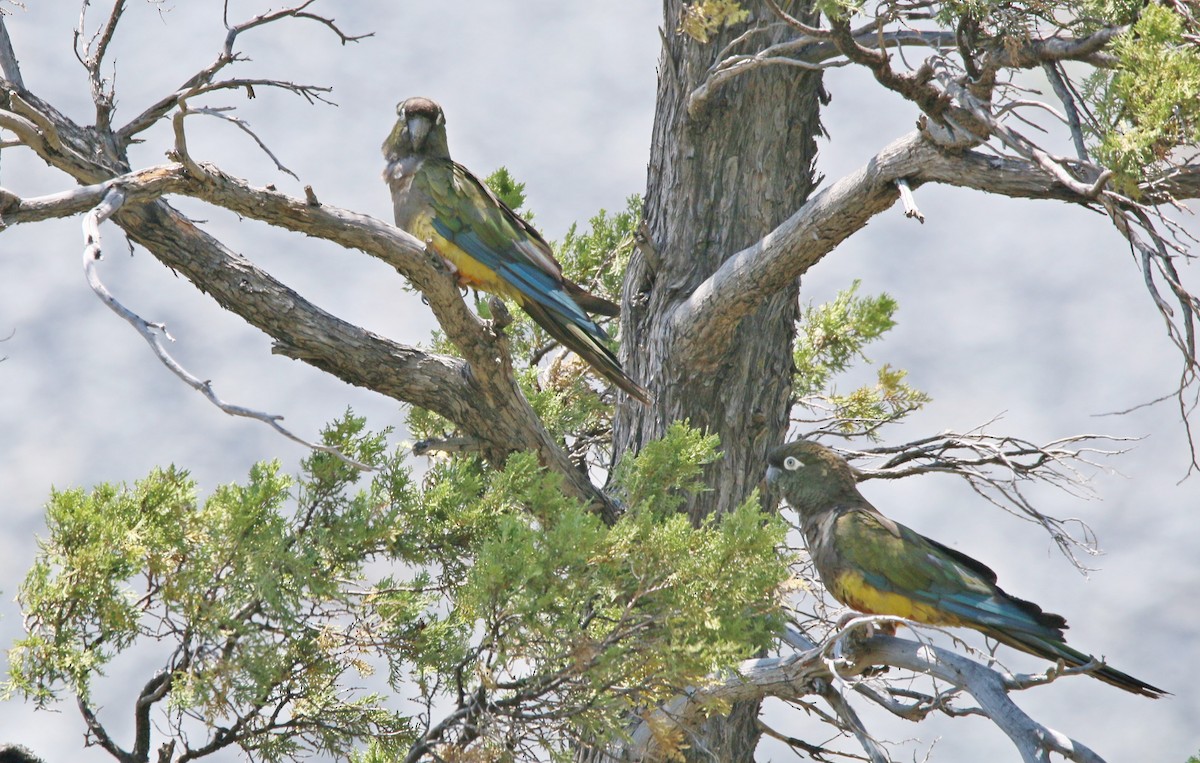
719,180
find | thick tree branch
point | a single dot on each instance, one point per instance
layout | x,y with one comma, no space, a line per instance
1034,741
97,732
479,395
154,333
822,48
154,691
837,702
301,329
703,324
10,69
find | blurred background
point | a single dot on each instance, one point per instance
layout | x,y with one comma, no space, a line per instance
1031,311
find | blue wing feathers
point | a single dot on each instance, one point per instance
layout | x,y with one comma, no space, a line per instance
531,281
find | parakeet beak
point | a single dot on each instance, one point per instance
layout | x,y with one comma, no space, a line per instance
773,474
418,128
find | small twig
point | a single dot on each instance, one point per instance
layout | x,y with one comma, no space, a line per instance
1026,148
296,11
815,752
180,152
153,332
796,23
203,80
909,202
816,52
1068,102
218,112
975,457
736,66
97,731
92,58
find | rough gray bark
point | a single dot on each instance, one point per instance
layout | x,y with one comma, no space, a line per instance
713,189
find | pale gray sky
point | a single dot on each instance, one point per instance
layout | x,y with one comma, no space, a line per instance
1033,310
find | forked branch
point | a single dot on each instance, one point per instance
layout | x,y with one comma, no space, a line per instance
850,654
205,80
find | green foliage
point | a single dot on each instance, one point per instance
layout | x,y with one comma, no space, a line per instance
597,258
1111,11
838,9
508,190
833,335
1150,105
677,459
701,19
488,584
491,593
612,619
831,338
249,598
1013,22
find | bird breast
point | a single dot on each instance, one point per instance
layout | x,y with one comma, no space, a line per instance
406,204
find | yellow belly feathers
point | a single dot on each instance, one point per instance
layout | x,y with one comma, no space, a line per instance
854,591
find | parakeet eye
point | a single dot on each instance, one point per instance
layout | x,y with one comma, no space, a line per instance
791,463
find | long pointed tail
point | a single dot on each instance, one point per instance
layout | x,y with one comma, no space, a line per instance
1055,650
584,344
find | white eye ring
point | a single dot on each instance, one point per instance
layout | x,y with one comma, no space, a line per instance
791,463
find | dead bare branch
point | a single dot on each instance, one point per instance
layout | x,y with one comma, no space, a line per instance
97,732
1067,98
999,467
204,81
909,202
844,657
1034,741
10,69
437,383
219,113
153,333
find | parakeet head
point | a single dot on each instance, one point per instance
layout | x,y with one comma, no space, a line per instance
420,130
811,476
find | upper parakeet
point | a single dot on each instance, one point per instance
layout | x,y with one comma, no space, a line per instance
487,244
